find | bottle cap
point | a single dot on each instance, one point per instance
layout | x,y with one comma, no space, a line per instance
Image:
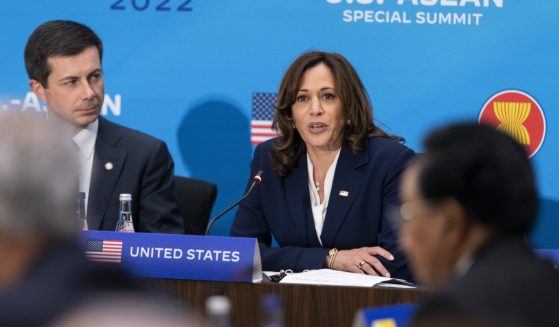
125,197
218,305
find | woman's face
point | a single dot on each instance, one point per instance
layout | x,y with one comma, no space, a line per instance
317,111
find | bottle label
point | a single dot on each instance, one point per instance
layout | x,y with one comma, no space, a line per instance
125,223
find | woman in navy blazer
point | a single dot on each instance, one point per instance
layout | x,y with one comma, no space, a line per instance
329,181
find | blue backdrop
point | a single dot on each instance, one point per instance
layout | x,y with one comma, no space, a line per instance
185,71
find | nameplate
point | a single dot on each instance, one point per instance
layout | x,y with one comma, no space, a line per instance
551,254
152,255
389,316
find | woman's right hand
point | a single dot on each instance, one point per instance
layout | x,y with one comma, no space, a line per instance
363,261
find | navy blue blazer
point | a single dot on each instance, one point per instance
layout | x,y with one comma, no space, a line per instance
140,165
280,207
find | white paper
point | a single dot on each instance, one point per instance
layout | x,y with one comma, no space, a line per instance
388,284
333,277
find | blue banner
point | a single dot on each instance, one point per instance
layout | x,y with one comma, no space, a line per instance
392,316
200,74
551,254
153,255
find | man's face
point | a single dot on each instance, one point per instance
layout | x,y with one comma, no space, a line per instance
424,234
75,90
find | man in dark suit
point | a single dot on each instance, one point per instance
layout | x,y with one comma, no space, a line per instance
63,61
468,204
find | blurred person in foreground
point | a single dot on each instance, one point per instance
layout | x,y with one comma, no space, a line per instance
113,310
329,179
43,272
64,62
468,204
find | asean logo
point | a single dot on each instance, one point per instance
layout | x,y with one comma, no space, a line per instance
518,115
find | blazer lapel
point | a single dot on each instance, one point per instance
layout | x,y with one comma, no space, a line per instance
297,194
345,189
107,166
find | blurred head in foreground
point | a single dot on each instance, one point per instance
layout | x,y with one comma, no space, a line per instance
474,184
113,310
38,184
44,275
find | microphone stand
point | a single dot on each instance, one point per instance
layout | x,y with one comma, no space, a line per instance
255,180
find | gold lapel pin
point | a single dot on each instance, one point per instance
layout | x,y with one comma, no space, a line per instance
344,193
109,166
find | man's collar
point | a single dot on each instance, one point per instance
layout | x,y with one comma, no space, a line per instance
85,139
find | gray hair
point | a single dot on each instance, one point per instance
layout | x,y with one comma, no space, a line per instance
38,178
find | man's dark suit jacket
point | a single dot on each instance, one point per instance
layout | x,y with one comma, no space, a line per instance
127,161
507,285
364,190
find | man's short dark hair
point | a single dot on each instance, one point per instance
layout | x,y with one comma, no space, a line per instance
57,38
486,171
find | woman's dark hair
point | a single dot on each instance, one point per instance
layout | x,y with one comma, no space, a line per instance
355,102
485,171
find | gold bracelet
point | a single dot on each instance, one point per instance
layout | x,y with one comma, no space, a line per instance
332,256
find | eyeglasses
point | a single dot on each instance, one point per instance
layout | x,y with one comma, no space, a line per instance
408,210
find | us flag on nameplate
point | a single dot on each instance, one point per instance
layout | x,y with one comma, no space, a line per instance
262,117
104,250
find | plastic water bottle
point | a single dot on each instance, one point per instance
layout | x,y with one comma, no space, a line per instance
272,312
218,308
81,211
125,223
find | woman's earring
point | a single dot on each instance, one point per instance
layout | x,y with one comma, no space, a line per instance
348,122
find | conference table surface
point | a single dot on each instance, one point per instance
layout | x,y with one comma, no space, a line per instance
303,305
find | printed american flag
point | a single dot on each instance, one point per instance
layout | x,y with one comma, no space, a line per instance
262,117
104,250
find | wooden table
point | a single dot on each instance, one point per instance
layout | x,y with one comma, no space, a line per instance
303,305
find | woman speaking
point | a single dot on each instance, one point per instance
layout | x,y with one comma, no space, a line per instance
329,179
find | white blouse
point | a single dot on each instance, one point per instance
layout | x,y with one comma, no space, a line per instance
319,209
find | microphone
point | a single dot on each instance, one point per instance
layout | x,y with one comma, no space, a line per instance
255,180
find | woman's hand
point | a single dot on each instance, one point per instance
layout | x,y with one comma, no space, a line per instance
362,261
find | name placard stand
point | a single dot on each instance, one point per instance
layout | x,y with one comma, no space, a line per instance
152,255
